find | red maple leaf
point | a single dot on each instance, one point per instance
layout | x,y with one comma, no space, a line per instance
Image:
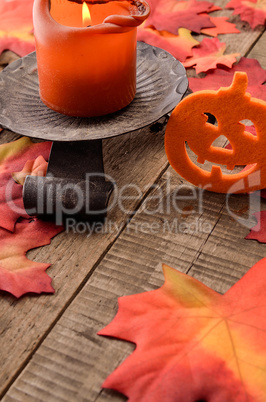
209,54
222,26
19,275
193,344
170,15
178,45
258,232
15,44
13,157
16,26
252,11
222,77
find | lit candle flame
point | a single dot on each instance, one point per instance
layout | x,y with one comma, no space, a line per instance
86,15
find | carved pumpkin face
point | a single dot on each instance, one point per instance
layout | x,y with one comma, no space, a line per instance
188,124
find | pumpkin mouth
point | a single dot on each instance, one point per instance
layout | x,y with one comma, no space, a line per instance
216,168
221,150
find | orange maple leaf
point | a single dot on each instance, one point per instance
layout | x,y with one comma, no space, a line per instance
222,26
209,54
178,45
192,343
19,275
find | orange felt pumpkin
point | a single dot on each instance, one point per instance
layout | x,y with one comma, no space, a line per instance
188,123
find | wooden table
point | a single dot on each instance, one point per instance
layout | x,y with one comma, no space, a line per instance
50,350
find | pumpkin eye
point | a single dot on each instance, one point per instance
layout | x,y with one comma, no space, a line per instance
211,118
247,122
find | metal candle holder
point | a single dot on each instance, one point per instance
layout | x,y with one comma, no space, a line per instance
77,142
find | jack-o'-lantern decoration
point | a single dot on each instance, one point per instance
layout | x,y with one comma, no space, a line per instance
188,127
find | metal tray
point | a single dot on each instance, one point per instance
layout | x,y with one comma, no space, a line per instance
161,84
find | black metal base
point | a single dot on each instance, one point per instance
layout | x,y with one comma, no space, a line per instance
74,187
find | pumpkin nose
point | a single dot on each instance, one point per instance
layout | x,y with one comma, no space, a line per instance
220,142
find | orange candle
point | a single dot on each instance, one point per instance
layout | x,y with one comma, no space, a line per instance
87,63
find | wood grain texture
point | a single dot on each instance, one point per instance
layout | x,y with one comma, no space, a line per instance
26,321
73,361
258,51
89,273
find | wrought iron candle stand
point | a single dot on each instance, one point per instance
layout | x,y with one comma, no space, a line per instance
75,184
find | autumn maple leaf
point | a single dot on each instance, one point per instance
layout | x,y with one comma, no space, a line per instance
16,26
170,15
209,54
18,45
222,26
193,344
13,157
253,11
178,45
221,77
19,275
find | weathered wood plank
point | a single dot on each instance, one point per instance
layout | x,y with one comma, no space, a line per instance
72,354
24,322
73,361
8,136
258,51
